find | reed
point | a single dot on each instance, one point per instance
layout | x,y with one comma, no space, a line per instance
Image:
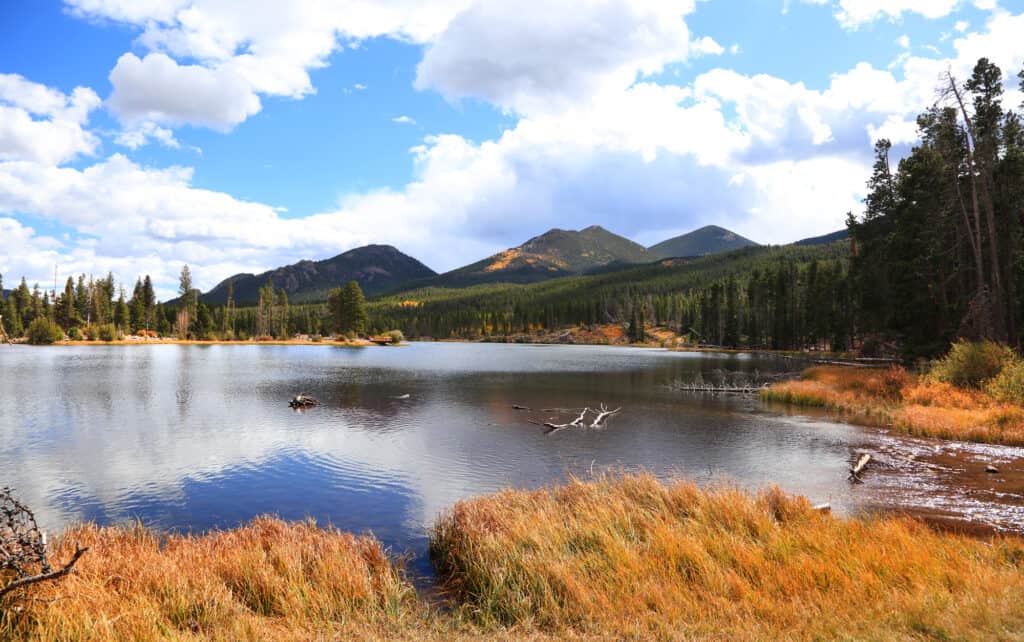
626,557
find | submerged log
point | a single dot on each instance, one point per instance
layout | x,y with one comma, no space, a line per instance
858,468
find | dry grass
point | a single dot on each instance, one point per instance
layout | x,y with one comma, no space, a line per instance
630,558
266,580
620,557
913,405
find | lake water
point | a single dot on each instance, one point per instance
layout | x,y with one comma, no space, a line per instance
199,437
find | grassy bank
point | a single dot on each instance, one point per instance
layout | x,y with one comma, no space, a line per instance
614,558
633,558
268,580
907,403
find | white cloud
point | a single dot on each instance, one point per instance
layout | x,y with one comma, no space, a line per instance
533,59
961,25
140,135
241,51
43,124
157,89
404,120
903,41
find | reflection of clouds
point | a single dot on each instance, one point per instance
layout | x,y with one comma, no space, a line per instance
167,431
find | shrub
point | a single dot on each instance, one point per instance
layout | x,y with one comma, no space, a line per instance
1008,385
107,332
971,364
889,383
42,331
396,336
75,334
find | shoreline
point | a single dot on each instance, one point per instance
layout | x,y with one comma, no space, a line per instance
904,403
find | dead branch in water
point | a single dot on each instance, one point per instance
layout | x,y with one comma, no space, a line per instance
552,427
858,468
604,414
23,549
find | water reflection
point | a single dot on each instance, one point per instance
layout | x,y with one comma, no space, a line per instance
194,437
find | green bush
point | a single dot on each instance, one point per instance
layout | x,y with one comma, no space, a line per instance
107,332
396,336
42,331
1008,385
75,334
971,364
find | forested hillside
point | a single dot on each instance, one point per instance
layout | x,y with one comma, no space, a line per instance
781,297
377,269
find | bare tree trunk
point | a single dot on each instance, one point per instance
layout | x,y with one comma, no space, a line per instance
995,304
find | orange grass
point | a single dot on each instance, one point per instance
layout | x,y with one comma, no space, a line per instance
630,558
910,404
266,580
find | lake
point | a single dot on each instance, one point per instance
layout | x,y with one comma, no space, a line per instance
198,437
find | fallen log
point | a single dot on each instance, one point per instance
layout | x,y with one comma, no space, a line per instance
858,468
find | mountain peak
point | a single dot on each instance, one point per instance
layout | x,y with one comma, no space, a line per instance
554,253
710,239
377,269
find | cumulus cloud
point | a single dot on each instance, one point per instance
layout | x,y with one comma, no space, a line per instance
853,14
157,89
529,60
241,51
403,120
43,124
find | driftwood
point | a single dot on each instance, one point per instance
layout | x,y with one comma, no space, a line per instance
604,414
302,400
601,415
23,548
715,388
858,468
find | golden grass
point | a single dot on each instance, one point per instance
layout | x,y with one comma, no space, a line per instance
619,557
907,403
266,580
631,558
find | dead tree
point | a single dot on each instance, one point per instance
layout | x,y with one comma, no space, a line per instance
23,550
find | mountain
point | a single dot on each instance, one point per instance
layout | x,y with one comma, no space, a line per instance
377,269
552,254
825,239
709,239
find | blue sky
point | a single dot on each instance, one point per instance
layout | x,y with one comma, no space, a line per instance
143,134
